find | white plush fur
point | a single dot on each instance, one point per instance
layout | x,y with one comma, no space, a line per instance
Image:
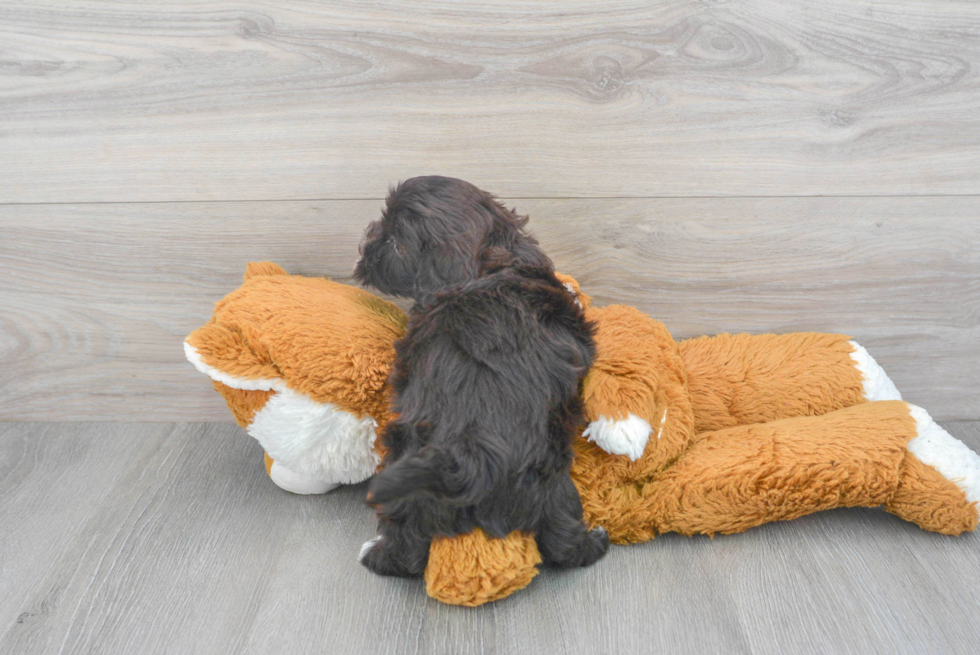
626,436
317,445
259,384
367,546
945,453
571,290
297,483
315,439
877,385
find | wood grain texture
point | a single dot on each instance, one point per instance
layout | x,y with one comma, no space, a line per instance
170,539
96,299
124,101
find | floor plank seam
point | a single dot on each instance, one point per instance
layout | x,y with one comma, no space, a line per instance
500,195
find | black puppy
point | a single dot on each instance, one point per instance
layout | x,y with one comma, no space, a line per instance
486,380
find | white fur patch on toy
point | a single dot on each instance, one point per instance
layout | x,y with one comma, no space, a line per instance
259,384
318,440
945,453
627,436
571,290
298,484
877,385
314,441
367,546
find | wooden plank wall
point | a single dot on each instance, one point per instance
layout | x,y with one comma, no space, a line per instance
110,101
730,166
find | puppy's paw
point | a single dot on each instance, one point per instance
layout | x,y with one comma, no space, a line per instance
376,558
598,545
627,436
366,548
380,557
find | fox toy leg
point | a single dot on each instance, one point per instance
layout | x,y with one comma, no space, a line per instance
887,454
296,482
744,379
244,404
329,447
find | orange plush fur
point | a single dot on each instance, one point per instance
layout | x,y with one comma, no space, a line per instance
332,342
744,429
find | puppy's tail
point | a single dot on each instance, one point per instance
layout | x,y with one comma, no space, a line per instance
459,478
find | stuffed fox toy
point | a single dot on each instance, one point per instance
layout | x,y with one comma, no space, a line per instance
702,436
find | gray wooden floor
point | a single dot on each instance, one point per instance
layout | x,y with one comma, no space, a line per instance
169,538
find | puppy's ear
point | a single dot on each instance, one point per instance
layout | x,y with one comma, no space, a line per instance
515,248
508,243
494,258
444,266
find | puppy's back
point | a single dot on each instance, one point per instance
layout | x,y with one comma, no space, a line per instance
487,387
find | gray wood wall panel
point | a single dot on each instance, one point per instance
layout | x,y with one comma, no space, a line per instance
109,101
96,298
122,538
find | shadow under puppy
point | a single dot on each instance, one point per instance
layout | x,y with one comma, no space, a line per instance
486,381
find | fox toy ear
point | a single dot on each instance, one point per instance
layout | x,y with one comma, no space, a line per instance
572,285
263,268
232,356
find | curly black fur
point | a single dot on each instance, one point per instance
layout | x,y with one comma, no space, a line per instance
486,380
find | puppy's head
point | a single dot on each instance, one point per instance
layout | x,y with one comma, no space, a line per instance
437,232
